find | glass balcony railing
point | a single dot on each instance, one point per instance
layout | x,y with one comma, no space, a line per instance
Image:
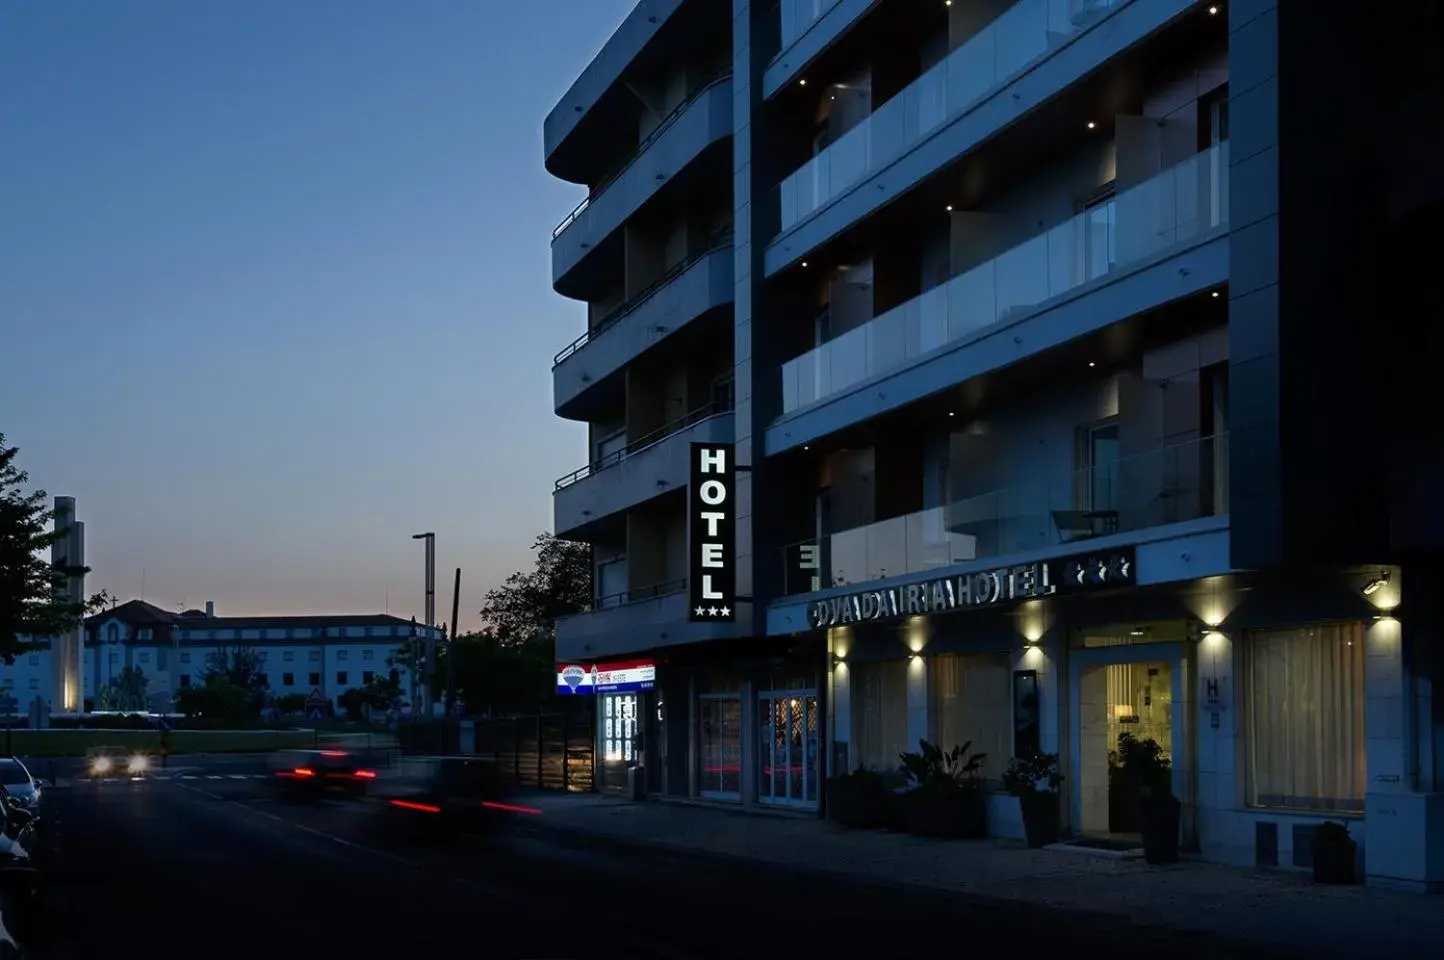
1176,207
1026,31
1172,484
798,16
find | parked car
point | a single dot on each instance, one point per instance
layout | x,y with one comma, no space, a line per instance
105,762
19,784
447,794
311,774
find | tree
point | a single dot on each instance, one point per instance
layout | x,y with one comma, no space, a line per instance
32,589
524,609
241,666
128,691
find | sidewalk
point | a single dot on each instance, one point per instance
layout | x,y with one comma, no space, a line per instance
1277,908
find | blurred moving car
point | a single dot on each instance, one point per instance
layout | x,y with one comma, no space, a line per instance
103,762
448,794
23,788
310,774
21,909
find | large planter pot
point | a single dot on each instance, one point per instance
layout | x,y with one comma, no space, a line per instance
1334,860
952,813
1158,822
861,806
1122,801
1042,817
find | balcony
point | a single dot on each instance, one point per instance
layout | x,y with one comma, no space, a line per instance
1025,33
688,291
1179,208
798,16
645,468
700,121
1174,484
633,622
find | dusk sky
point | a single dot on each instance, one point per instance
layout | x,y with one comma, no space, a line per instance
275,289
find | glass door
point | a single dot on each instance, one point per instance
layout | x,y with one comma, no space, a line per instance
788,732
719,776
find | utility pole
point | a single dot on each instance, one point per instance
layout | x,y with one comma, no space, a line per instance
430,539
451,648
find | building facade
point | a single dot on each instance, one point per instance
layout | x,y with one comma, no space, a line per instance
1061,402
301,654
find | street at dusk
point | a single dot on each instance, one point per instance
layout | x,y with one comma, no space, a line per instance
162,869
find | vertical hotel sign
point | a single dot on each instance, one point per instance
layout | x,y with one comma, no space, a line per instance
712,533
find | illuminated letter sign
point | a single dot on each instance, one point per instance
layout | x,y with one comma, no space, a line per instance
712,534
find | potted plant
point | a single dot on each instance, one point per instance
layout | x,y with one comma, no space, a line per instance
1334,853
946,798
1145,765
1034,781
858,799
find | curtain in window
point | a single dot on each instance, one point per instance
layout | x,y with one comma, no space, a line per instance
1305,700
971,697
880,713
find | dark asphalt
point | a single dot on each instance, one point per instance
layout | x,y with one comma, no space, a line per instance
161,869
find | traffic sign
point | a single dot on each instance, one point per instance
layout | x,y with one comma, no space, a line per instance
315,713
315,698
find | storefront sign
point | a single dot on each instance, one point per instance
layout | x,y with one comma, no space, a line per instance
625,677
712,534
1113,568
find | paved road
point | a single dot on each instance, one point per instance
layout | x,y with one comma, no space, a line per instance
161,869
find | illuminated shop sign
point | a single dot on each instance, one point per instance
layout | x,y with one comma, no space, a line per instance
626,677
986,588
712,534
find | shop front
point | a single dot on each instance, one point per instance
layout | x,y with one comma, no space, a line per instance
625,699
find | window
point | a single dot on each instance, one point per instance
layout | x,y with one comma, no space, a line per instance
879,713
34,659
341,677
342,654
185,656
315,656
185,679
114,657
288,656
313,679
288,679
1304,696
971,701
263,680
9,683
368,654
143,657
145,633
367,676
34,683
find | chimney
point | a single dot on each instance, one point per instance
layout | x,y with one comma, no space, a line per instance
210,609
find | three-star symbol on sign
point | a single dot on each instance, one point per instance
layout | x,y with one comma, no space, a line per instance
713,611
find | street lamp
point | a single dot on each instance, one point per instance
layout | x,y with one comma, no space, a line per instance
430,539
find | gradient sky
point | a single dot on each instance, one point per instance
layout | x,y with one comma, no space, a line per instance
275,289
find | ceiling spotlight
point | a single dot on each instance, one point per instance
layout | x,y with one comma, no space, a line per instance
806,447
1377,584
802,82
1212,10
1091,125
1215,293
951,414
804,263
1092,364
950,208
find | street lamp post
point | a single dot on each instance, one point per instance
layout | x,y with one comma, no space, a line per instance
430,539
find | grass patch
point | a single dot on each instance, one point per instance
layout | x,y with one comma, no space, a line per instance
74,743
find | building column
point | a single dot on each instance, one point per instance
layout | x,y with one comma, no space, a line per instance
839,704
1403,815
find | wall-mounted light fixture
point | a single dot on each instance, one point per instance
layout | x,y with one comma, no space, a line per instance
1377,584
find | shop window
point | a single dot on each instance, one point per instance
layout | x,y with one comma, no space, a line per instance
879,713
1304,693
970,697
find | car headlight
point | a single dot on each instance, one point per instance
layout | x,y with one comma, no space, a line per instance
101,764
139,764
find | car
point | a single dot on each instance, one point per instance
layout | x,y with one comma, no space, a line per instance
310,774
22,788
104,762
447,794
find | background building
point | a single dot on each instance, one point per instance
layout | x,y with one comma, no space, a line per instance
329,653
1065,401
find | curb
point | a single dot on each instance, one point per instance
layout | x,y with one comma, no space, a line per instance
1085,920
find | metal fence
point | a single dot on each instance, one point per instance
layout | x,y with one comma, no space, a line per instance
546,751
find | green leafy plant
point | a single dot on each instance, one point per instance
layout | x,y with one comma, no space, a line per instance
1331,831
1145,763
930,767
1035,774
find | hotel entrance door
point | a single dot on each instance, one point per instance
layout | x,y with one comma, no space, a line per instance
787,755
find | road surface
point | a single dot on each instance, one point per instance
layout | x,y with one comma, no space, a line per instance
207,863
